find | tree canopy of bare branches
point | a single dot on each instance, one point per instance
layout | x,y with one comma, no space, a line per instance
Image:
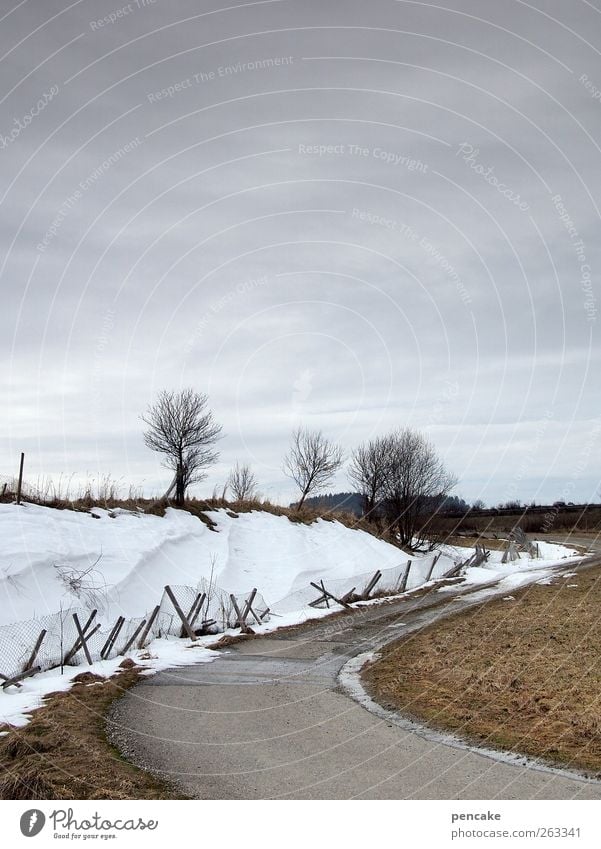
369,470
312,461
403,481
182,429
416,485
242,482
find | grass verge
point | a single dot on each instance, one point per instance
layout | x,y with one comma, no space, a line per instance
63,752
521,674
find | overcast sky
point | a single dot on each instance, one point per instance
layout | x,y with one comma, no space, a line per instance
343,214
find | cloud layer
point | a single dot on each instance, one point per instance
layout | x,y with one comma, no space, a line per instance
353,216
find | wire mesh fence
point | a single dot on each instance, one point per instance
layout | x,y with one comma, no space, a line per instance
51,641
392,581
74,636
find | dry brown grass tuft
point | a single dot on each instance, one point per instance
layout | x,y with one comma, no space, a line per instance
522,674
490,543
63,752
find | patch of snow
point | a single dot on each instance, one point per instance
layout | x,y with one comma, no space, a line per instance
16,705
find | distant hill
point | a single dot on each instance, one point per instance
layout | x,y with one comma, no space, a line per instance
348,502
351,502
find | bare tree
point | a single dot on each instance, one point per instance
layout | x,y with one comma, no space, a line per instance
369,470
181,428
312,461
242,482
416,486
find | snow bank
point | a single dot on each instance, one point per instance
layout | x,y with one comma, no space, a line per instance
57,558
16,705
119,563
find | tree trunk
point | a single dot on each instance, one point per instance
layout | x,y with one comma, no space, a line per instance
180,489
302,501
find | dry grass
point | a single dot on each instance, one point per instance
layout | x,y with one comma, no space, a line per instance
522,675
63,752
306,516
471,541
107,494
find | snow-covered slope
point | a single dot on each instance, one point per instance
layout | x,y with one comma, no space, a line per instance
52,559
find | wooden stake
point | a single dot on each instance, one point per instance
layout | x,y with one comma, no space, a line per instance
403,584
248,603
241,622
77,644
180,613
346,598
7,678
368,589
82,637
133,638
26,674
191,613
20,483
35,651
149,625
201,600
329,595
106,649
434,561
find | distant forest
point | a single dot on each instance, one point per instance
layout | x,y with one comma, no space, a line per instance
352,502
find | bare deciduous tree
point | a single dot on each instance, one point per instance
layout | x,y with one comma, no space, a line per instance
369,470
416,485
312,461
242,482
181,428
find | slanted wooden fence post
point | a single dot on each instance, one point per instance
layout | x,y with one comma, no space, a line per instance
107,647
82,636
328,594
241,619
180,613
149,625
133,638
35,651
372,583
433,564
404,579
20,482
14,681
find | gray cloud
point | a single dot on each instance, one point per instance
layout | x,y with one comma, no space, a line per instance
351,215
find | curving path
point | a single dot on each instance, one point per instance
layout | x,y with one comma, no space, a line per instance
268,719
